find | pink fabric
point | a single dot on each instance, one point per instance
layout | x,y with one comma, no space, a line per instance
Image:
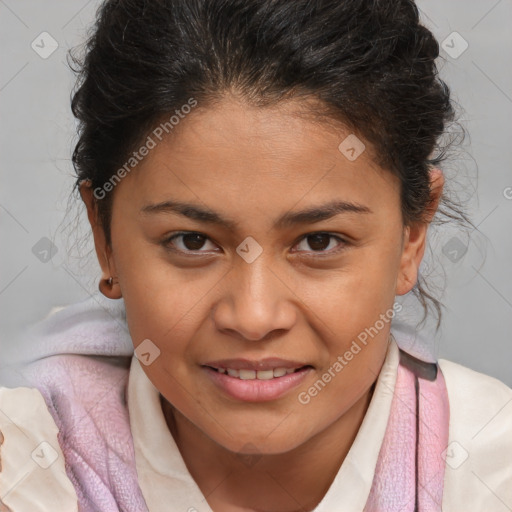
433,442
394,485
87,399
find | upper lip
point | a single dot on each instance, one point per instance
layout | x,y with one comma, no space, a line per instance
268,363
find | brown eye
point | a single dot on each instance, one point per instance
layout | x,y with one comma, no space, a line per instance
194,241
187,241
321,243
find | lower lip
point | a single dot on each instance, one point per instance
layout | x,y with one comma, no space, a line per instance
255,390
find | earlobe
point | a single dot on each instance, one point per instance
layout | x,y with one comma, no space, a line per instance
110,288
109,284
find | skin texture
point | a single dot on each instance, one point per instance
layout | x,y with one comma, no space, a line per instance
300,299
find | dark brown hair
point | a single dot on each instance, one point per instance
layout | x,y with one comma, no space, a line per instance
370,63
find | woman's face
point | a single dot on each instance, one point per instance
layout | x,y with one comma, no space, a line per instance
257,283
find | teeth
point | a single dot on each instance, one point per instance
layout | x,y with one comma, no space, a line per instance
265,374
260,374
246,374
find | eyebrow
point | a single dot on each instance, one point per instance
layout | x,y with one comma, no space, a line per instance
307,216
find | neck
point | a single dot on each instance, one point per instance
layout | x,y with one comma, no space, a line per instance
295,480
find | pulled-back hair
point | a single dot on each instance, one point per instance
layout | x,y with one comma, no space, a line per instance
368,64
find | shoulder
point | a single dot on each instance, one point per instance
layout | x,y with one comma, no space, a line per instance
479,453
476,397
25,409
32,470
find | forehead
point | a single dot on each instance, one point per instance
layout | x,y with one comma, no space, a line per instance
251,159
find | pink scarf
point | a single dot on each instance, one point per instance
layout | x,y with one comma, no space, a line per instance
86,395
410,469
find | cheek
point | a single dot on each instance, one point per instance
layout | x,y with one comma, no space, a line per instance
162,302
355,309
356,318
361,290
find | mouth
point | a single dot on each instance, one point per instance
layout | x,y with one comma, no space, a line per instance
249,385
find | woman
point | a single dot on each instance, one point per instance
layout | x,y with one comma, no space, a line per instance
259,177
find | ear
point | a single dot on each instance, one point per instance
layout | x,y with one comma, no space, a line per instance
415,237
103,251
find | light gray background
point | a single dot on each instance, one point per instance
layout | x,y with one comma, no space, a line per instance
37,137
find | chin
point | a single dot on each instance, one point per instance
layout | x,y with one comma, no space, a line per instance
258,445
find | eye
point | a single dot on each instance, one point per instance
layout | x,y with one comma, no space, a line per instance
320,241
190,241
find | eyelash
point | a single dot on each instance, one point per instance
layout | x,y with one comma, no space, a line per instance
168,241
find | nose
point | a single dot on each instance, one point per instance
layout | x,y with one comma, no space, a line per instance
256,302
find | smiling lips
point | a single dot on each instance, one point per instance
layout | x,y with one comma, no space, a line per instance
260,374
256,381
264,369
